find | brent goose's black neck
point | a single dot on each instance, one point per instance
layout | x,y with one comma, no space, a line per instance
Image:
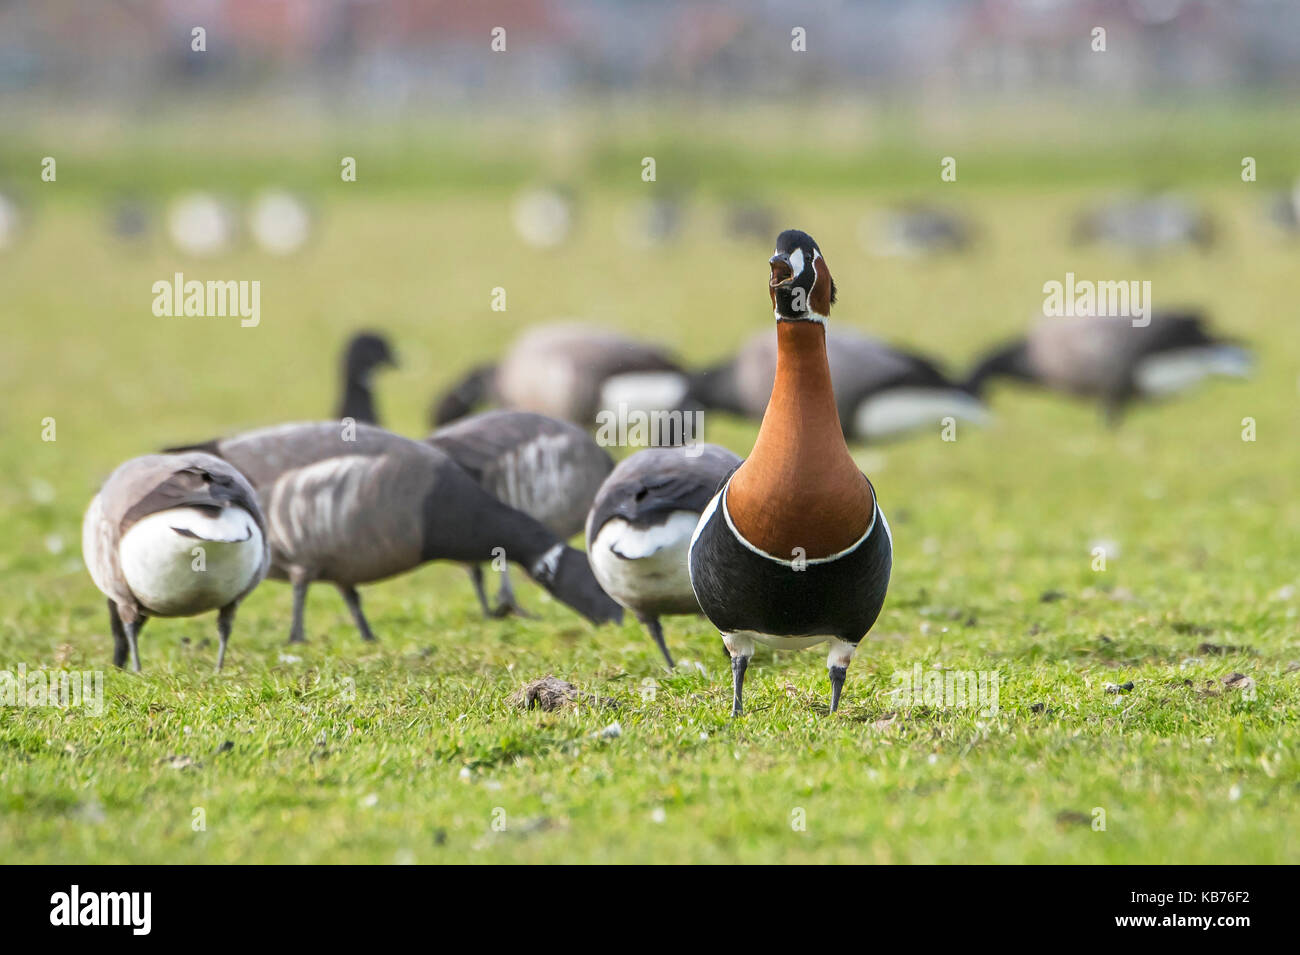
358,403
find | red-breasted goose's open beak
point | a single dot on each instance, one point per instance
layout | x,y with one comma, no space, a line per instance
782,271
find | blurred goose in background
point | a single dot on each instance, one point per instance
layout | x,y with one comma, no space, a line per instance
915,230
544,216
202,225
749,220
279,222
880,392
640,528
546,468
359,504
646,223
130,218
11,220
1113,360
1284,210
1146,224
365,352
173,535
570,371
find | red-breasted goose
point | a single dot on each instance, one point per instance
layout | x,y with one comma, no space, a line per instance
365,352
880,392
173,535
1113,360
547,468
640,527
353,505
571,372
794,549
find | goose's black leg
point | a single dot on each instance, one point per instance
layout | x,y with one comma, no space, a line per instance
741,648
133,628
300,581
119,635
353,600
506,603
225,621
837,684
651,623
739,665
476,575
837,665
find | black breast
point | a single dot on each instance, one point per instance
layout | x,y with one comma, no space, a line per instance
739,589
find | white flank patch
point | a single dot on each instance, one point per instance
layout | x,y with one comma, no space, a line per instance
637,565
787,643
644,391
906,409
159,562
1175,371
742,642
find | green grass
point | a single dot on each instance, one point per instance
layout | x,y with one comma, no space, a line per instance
405,750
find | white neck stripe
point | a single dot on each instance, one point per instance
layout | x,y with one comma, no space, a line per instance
726,513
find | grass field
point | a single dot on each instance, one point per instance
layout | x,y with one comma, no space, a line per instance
409,750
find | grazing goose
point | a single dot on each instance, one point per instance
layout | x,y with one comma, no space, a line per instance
1144,224
549,469
11,220
1284,210
202,225
173,535
647,223
915,230
641,524
571,372
356,504
749,219
794,550
279,222
366,352
1113,360
880,392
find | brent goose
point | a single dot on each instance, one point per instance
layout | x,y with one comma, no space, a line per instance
173,535
1284,210
915,230
570,371
646,223
794,549
1148,223
641,525
880,392
356,504
202,225
365,352
748,219
544,216
547,468
279,222
1113,360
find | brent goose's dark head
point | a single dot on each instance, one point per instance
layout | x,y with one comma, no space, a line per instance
801,285
365,352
